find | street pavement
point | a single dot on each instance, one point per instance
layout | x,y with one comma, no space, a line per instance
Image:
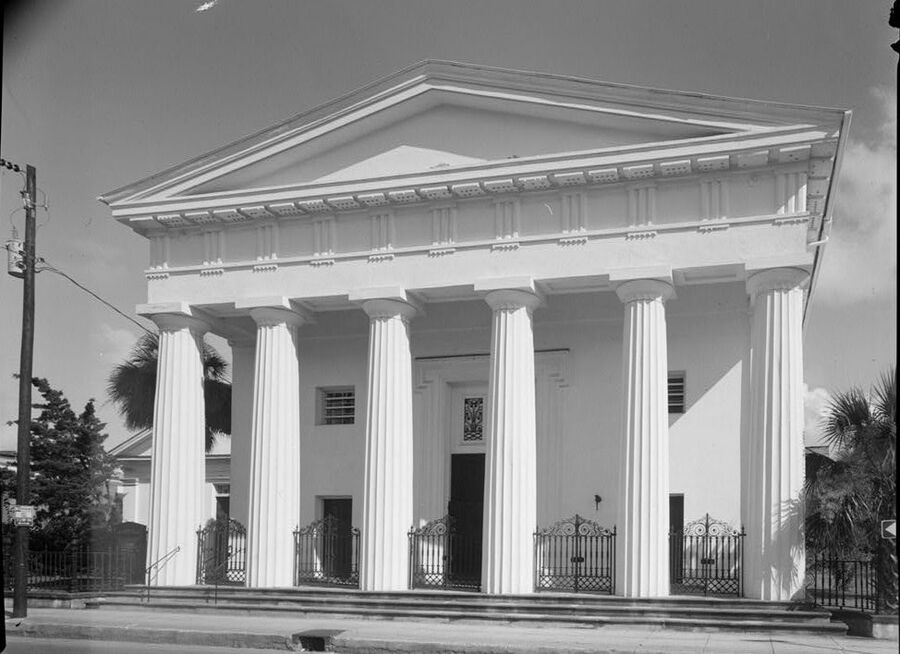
221,631
68,646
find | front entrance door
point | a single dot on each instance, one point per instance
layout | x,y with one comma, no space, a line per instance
466,509
338,546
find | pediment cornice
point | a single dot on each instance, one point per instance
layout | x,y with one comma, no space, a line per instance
812,150
729,119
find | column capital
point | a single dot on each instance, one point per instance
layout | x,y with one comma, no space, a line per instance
276,310
390,308
271,316
776,279
509,298
173,316
645,289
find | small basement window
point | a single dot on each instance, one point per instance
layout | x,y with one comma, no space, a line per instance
336,406
676,392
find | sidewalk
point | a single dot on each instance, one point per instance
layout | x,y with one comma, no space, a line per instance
383,636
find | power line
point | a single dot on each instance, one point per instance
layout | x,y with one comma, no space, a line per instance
53,269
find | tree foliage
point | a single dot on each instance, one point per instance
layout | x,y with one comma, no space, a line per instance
70,474
850,494
132,387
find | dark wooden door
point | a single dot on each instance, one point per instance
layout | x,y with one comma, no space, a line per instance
466,511
338,545
676,542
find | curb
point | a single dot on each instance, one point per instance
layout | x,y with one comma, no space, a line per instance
27,629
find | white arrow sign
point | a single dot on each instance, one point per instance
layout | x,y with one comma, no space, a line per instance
888,528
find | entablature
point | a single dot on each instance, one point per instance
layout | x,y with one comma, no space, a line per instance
813,151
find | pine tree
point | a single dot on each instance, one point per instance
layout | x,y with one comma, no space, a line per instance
70,474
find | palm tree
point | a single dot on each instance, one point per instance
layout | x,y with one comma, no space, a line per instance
849,495
132,386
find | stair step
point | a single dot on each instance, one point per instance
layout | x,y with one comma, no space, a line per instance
546,609
488,607
546,619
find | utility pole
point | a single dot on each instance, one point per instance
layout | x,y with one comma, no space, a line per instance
24,516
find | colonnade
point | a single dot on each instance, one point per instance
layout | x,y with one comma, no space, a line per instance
774,548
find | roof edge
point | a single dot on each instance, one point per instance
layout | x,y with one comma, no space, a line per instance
425,69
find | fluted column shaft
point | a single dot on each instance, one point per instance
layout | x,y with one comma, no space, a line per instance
774,554
274,509
177,459
643,512
388,501
510,492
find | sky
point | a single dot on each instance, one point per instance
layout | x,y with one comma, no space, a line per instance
98,94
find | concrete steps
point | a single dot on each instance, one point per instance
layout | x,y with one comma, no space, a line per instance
546,609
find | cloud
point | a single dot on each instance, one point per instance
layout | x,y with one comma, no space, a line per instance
112,344
815,403
861,256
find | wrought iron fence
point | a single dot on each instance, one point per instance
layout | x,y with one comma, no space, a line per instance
222,553
442,557
326,552
76,571
841,583
575,555
707,557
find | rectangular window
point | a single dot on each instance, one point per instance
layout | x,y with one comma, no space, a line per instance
676,392
473,419
336,406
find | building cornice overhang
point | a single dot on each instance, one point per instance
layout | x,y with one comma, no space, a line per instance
726,114
827,211
660,161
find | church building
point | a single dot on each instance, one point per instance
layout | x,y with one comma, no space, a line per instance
510,331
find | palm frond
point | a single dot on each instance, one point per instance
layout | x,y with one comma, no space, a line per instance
132,387
846,416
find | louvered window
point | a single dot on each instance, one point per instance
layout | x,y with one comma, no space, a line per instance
676,392
337,406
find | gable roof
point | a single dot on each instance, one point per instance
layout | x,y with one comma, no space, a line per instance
678,117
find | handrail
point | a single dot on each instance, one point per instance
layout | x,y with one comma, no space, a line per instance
158,564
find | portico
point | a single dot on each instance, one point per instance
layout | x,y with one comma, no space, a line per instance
400,292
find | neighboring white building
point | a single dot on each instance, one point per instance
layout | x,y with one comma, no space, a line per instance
546,252
133,483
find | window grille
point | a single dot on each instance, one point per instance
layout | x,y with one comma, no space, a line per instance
676,392
337,406
473,419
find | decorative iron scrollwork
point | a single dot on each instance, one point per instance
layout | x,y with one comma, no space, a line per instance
575,555
575,525
706,556
437,527
707,526
328,524
473,419
326,551
221,552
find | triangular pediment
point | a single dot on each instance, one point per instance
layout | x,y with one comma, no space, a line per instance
468,131
440,116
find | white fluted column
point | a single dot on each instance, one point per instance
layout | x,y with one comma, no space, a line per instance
774,555
274,510
243,355
178,452
643,512
388,501
510,491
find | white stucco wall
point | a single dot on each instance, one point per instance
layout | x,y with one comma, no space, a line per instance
708,339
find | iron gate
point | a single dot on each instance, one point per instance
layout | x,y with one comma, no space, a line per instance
222,553
707,557
575,555
326,551
441,557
